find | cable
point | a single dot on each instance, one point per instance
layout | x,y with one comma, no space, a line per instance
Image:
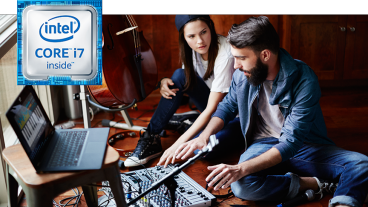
93,185
228,195
108,200
139,187
77,198
107,186
96,124
56,204
110,196
92,114
218,204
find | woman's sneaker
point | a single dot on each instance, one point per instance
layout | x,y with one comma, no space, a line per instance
148,147
325,186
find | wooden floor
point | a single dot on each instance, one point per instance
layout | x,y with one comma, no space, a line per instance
345,112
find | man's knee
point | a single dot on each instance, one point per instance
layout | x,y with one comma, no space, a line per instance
249,188
363,161
359,162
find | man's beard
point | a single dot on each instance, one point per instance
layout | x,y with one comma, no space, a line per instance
258,74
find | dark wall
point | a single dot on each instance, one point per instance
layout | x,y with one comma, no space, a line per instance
161,34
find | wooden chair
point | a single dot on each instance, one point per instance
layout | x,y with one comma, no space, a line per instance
41,189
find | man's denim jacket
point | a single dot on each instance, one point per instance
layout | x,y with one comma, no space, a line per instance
296,91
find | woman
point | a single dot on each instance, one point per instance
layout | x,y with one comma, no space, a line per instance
205,77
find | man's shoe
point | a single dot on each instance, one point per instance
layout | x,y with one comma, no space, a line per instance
182,121
325,186
148,147
184,126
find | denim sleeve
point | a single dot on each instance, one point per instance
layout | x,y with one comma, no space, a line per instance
298,123
227,109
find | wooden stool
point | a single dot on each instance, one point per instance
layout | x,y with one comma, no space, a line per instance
41,189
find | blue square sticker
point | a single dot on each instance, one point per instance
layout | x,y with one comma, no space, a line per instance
59,42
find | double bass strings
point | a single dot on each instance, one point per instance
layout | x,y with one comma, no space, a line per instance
135,34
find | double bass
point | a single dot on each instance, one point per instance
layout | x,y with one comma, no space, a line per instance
129,66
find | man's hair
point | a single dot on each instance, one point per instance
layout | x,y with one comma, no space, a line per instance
257,33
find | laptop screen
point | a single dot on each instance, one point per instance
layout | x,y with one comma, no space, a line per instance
29,122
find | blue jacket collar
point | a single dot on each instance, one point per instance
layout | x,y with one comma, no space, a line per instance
281,93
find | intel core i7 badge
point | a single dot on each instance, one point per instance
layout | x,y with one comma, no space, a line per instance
60,45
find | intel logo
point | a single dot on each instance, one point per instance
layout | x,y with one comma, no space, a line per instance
59,29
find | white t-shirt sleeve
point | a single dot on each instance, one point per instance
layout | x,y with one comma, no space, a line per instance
224,68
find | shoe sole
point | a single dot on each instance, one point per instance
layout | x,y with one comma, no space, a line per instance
187,113
134,163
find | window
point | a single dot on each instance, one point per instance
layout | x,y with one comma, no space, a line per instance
8,61
9,89
8,67
8,29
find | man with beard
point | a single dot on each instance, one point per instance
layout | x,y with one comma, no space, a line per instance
277,99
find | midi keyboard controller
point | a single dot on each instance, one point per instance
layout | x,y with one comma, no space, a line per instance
188,192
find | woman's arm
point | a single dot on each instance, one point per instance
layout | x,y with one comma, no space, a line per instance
213,100
201,122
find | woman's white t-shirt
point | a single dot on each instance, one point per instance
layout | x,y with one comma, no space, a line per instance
224,67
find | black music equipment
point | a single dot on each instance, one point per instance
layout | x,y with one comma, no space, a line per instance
167,186
188,192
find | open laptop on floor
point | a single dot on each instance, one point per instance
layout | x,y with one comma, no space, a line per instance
54,150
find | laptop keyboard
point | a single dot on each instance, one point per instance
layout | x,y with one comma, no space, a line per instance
68,149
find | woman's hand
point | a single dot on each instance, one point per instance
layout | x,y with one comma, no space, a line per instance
165,91
227,174
169,155
188,148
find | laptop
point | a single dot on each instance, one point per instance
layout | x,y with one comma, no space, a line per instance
53,150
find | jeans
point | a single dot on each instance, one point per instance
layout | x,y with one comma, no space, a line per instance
281,182
167,107
230,136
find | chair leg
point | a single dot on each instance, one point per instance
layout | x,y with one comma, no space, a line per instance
113,176
12,188
90,194
39,197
